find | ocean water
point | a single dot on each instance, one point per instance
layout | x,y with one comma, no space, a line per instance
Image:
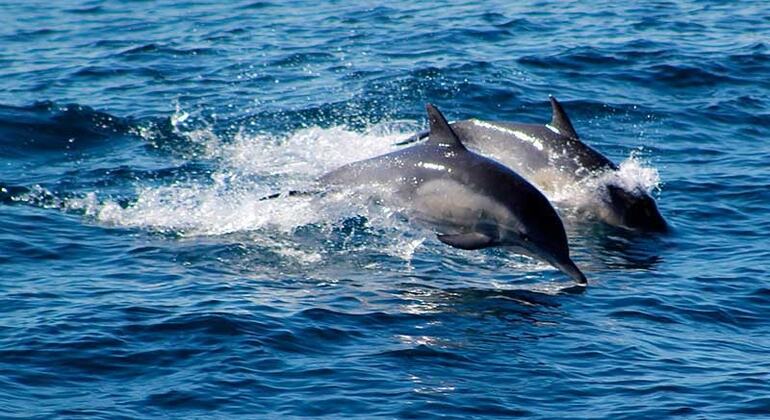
140,276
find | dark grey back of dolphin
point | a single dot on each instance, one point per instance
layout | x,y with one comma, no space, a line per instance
556,146
474,202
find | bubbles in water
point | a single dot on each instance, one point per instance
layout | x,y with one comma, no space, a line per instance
633,174
246,169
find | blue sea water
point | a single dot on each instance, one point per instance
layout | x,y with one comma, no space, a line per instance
141,277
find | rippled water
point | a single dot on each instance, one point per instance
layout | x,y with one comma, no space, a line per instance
142,277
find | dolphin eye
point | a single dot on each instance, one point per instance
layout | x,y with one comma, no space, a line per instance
524,237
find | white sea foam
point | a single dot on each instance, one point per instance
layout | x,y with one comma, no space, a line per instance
633,174
247,168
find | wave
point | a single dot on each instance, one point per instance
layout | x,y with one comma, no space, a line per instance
245,169
217,177
633,174
49,127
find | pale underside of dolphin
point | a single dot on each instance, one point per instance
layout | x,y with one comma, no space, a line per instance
471,201
551,156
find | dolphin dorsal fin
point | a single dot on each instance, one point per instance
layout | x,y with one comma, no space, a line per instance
441,132
560,121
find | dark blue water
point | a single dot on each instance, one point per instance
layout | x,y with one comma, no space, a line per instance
141,276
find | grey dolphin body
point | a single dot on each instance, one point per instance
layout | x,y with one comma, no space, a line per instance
553,155
474,202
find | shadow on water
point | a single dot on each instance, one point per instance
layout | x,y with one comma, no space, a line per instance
617,248
521,305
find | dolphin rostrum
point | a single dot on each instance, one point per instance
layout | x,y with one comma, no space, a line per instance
472,201
552,156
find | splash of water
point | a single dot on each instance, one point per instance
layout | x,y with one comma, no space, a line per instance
246,168
634,174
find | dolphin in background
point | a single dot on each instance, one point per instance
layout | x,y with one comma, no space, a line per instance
472,201
552,156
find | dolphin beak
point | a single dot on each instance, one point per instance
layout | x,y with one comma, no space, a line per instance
569,268
566,265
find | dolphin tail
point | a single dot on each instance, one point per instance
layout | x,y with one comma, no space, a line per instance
443,132
292,193
414,138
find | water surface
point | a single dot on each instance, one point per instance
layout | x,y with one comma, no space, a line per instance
141,276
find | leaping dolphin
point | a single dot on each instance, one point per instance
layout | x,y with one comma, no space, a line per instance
474,202
554,154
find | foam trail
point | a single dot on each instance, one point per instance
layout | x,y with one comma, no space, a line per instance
633,174
244,170
248,167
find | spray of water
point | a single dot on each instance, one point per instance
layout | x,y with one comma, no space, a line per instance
247,167
633,174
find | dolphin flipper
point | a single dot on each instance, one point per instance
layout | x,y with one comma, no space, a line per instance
473,240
